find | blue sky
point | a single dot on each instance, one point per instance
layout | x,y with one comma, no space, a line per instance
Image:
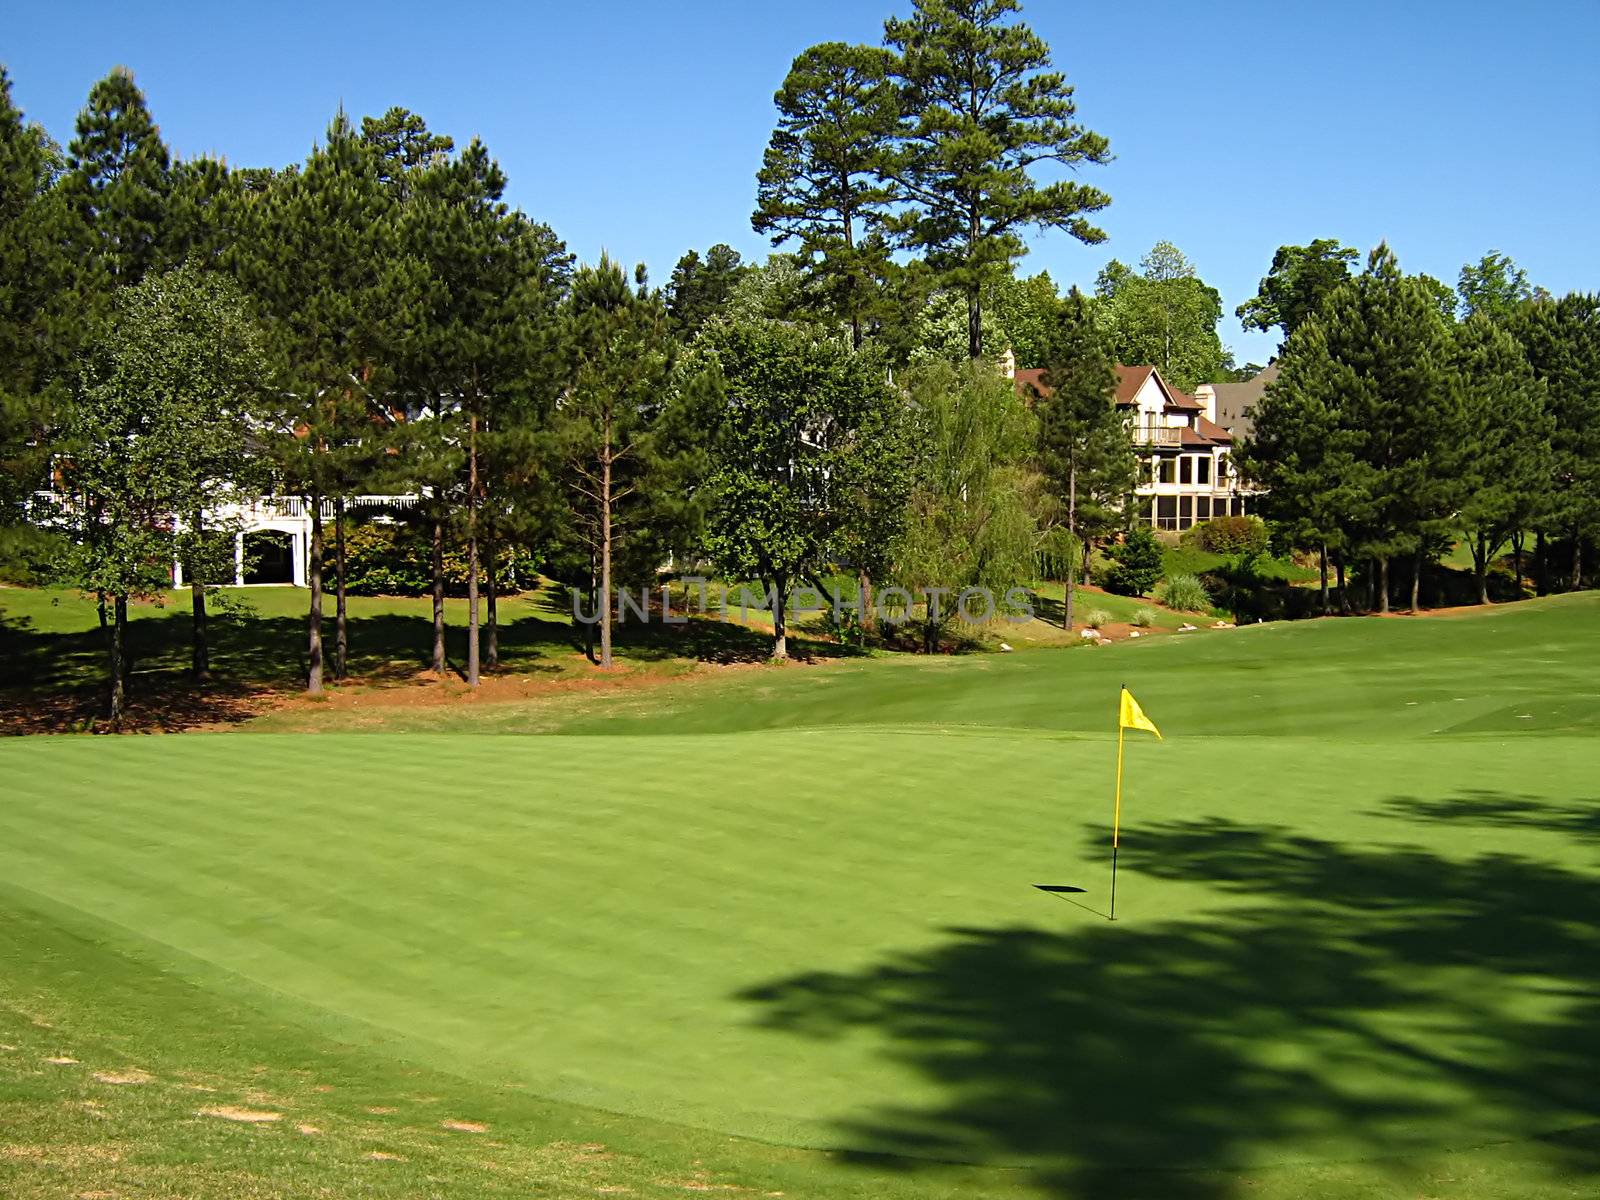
1449,128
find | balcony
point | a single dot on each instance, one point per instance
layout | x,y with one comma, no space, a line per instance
1157,435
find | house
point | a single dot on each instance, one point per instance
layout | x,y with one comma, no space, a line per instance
1234,404
1185,473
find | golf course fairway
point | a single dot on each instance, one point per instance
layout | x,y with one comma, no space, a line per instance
1356,916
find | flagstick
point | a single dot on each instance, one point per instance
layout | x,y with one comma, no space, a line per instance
1116,819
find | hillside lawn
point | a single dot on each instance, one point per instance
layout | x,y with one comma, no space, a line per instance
776,932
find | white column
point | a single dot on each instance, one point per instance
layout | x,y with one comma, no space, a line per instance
301,554
177,573
238,559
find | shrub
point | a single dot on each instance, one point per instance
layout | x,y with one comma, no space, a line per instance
1144,617
1185,593
28,554
1136,563
1097,617
1230,535
396,560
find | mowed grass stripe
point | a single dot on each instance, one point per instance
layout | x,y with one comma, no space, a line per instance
601,927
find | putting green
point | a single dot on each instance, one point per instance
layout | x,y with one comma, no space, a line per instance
1330,946
1356,908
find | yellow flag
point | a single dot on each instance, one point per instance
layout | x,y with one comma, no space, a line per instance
1133,716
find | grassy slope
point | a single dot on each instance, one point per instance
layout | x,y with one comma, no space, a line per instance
1350,943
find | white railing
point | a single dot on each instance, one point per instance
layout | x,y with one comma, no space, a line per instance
1158,435
263,508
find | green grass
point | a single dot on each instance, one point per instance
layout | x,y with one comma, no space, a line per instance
777,931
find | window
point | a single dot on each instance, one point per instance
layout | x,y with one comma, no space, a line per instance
1167,470
1185,511
1166,512
1202,470
1186,469
1146,470
1202,507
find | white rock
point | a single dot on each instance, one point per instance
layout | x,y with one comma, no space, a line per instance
1005,649
1090,633
1133,633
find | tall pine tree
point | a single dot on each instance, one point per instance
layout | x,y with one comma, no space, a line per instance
983,110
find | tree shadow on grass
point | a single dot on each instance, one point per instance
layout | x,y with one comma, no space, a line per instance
1349,1004
1579,818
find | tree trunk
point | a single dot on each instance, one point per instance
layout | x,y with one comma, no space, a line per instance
1072,552
314,617
1344,596
1383,584
491,598
119,661
780,631
605,551
975,323
105,624
1416,581
1517,540
341,632
1577,560
1322,569
200,648
1541,583
1480,566
869,618
472,553
438,594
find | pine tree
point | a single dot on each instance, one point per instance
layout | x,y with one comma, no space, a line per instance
1508,428
119,182
606,425
699,289
1085,451
983,108
323,257
819,183
1562,341
32,274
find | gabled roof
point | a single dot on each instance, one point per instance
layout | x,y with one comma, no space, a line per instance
1129,381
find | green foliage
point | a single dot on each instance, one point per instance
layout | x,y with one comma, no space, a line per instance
118,183
1135,563
819,183
1229,535
1097,617
29,555
1164,315
1143,618
1493,287
788,410
1506,483
1027,310
396,560
698,289
982,107
1185,593
973,508
1299,280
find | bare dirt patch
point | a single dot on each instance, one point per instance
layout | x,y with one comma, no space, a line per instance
122,1078
465,1126
62,1061
251,1116
385,1156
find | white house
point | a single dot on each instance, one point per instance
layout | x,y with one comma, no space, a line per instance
1185,475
